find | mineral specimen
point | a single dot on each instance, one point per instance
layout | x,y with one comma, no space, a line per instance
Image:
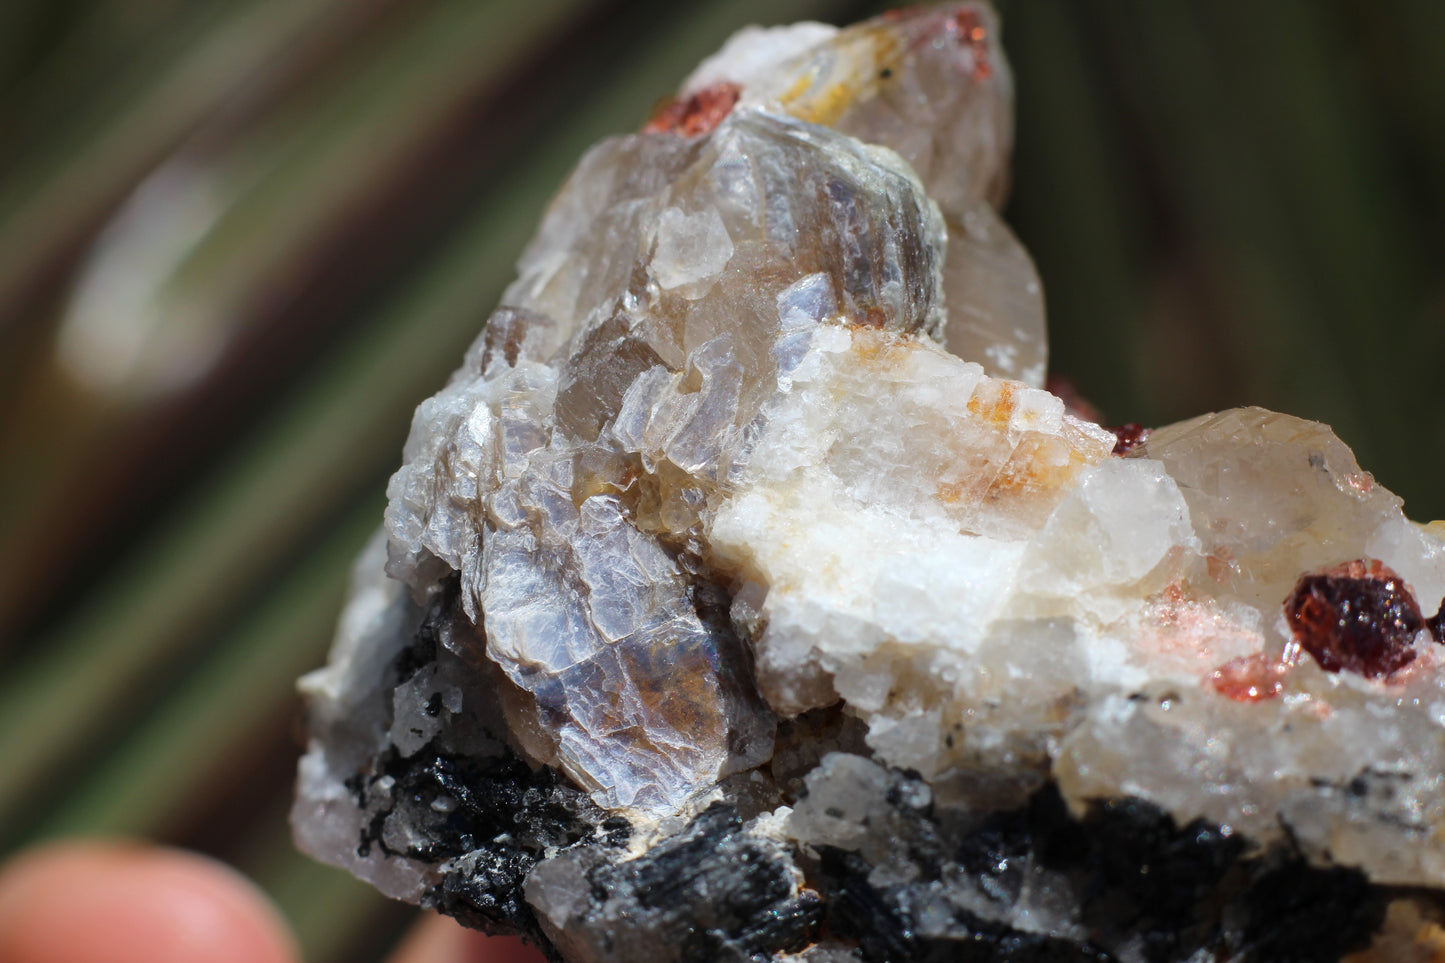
744,596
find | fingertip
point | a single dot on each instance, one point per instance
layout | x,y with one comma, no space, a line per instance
437,939
120,902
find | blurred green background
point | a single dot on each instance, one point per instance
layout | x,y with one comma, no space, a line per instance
241,239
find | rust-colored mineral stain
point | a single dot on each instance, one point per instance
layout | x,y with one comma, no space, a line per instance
1358,616
1250,678
1128,437
994,402
968,26
877,346
698,114
1034,468
950,493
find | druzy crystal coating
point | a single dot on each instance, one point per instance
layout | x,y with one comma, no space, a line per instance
744,595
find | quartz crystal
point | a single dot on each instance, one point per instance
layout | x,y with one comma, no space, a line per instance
744,595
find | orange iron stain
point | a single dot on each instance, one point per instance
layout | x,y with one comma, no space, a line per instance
697,114
994,402
950,493
969,28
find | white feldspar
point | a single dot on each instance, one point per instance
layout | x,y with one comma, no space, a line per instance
759,429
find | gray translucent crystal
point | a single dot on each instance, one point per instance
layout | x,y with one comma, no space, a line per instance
939,95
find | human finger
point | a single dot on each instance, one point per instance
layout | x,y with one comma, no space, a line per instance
437,939
121,902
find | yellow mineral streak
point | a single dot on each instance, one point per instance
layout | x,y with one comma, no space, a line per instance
825,89
1408,936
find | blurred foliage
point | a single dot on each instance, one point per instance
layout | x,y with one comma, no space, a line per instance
241,239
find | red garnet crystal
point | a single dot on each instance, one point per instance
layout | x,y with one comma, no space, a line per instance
1358,616
1129,437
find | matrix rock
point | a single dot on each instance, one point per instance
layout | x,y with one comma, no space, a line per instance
744,595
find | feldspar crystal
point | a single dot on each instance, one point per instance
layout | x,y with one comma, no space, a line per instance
744,596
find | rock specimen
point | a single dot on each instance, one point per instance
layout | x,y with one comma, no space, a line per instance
744,596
